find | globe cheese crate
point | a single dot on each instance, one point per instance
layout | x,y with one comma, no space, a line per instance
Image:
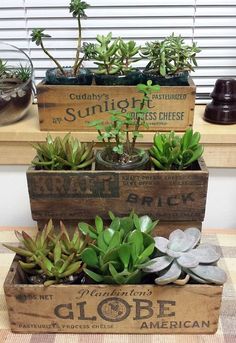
71,108
137,309
176,198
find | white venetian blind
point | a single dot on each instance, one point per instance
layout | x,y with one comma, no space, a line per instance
211,23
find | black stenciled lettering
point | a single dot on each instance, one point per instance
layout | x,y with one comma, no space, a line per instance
164,311
70,114
143,306
132,198
61,311
187,197
82,316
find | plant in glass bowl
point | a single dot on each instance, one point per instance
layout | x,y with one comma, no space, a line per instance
169,60
119,134
16,73
67,75
114,58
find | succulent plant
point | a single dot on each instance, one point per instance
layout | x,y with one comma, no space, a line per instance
77,8
112,56
179,258
170,56
170,151
74,245
33,248
63,154
116,134
119,250
58,269
51,257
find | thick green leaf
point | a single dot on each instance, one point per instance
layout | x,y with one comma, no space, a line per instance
107,235
89,257
99,224
146,253
116,240
124,254
94,276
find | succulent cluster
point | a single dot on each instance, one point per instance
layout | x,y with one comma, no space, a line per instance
112,56
77,8
170,151
118,252
123,252
121,133
179,259
50,257
63,154
170,56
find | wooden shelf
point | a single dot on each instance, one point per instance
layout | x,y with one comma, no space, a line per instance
219,140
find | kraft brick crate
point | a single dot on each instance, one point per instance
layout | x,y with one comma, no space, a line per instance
176,198
170,309
71,108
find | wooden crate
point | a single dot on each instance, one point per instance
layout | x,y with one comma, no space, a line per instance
171,196
170,309
71,108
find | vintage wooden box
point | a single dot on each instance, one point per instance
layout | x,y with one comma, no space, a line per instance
176,198
189,309
71,108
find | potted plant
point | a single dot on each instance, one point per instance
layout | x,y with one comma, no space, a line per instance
120,294
114,59
120,150
173,152
170,61
76,75
15,84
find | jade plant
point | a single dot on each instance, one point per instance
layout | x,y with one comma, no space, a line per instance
63,154
180,259
51,257
77,8
170,56
121,133
118,251
112,56
170,151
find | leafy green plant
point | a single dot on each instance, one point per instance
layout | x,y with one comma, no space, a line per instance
112,56
32,248
23,72
77,8
51,257
170,56
118,251
57,268
121,133
170,151
3,67
179,259
63,154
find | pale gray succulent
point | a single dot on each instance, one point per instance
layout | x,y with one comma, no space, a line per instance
179,259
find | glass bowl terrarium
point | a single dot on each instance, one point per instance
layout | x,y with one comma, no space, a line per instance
16,72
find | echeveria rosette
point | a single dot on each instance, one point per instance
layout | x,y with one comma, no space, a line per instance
180,255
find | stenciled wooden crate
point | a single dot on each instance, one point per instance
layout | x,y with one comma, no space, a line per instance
146,308
71,108
173,197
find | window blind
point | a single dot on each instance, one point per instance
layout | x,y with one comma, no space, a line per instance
211,23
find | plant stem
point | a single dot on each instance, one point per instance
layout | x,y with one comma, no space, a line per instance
100,133
75,68
138,122
53,59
